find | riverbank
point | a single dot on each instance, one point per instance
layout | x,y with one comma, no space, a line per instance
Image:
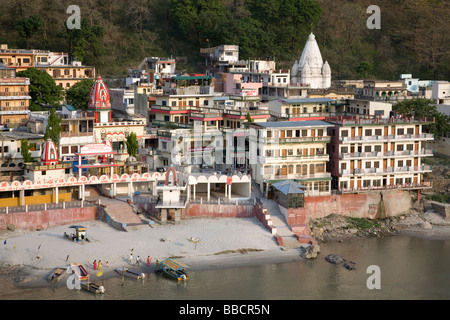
28,257
428,224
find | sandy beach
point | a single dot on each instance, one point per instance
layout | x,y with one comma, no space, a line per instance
28,257
224,242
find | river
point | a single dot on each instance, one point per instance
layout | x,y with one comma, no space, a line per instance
410,268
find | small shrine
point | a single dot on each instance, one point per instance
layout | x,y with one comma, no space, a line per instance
171,204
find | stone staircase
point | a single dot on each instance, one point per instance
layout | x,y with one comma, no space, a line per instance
116,212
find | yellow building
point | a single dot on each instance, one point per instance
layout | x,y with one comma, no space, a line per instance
14,98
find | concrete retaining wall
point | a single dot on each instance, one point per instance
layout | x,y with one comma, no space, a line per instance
362,205
48,218
442,208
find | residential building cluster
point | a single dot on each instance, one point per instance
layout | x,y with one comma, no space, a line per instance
236,117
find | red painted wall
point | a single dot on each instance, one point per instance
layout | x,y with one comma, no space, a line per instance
48,218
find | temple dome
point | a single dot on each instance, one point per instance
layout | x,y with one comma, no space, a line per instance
311,54
99,96
49,154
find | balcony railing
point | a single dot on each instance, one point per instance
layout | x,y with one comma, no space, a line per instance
423,185
388,170
265,140
321,175
12,94
388,154
408,137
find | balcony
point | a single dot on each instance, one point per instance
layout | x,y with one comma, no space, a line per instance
173,109
405,186
389,154
162,123
322,175
388,138
13,94
268,141
290,159
384,171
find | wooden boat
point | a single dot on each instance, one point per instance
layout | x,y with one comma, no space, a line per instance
130,273
57,274
92,287
80,271
174,269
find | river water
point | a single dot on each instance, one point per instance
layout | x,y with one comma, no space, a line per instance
410,268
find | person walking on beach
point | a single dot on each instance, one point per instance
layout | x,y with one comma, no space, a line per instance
99,267
149,260
131,258
95,264
137,260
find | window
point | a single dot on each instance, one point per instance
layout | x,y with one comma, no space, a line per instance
376,164
343,166
368,132
268,153
399,147
378,132
304,133
376,183
368,165
299,152
290,152
408,180
400,131
74,149
377,148
44,173
367,148
65,150
408,163
366,183
410,147
399,181
410,131
344,149
344,133
320,132
400,163
289,133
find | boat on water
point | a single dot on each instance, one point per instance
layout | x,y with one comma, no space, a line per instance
173,269
92,287
57,274
130,273
80,271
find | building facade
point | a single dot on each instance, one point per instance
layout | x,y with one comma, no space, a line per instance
372,154
293,150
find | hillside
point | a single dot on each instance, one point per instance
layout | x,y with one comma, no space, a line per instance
117,34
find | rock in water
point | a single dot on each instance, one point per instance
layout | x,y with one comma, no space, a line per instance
350,265
334,259
310,252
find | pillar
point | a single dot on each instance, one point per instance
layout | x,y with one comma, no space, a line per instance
22,197
56,195
229,192
111,190
226,189
195,190
163,215
130,189
208,190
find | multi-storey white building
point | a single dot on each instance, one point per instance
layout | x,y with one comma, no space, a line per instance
378,153
290,150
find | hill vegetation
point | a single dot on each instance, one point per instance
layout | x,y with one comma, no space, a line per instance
116,35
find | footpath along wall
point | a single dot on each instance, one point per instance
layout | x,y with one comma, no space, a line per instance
47,218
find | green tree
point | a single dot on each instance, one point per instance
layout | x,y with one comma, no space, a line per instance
422,107
28,27
78,94
86,43
53,129
43,89
132,144
25,151
364,69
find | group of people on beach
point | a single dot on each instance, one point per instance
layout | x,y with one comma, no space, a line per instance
98,265
138,259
